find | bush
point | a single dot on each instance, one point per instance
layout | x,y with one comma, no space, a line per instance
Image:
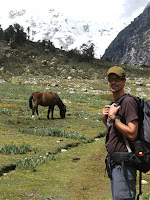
53,132
13,149
32,163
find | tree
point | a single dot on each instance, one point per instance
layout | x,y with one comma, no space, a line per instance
75,54
28,31
1,33
20,35
9,33
15,34
87,51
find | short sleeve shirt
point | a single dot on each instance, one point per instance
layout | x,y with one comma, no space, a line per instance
127,113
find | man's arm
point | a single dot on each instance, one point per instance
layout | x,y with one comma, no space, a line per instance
130,130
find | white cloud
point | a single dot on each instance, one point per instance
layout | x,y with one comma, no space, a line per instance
133,7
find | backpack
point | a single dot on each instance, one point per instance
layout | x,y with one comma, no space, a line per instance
140,159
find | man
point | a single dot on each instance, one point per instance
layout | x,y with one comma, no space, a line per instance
122,129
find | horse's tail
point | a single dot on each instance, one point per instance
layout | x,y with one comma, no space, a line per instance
30,101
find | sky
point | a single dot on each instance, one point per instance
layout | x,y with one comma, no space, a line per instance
98,10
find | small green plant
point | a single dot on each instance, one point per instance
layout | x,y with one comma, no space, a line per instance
6,111
82,114
9,122
146,196
13,149
32,163
74,135
36,149
53,132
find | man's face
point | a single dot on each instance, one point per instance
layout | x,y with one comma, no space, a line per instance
115,83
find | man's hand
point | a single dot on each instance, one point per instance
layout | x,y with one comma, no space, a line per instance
105,114
112,112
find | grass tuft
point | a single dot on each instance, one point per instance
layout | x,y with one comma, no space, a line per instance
13,149
32,163
53,132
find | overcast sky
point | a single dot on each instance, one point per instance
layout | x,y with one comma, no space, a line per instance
98,10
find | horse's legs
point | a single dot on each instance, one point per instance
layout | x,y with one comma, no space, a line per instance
49,109
35,108
52,112
37,112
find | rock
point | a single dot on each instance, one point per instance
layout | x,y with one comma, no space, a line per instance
83,90
97,92
44,62
144,182
46,50
96,139
2,81
139,83
54,59
59,140
75,159
139,89
69,77
63,150
54,85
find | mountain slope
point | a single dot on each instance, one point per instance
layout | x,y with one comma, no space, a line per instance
132,45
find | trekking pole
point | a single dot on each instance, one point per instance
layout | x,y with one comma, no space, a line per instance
140,185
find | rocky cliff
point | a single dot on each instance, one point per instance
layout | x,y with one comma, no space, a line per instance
132,44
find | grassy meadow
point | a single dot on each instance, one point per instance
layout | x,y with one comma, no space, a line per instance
61,158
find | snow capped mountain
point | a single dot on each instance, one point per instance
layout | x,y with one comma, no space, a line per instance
64,32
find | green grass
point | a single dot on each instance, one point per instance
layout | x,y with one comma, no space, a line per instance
45,171
64,160
53,132
62,178
13,149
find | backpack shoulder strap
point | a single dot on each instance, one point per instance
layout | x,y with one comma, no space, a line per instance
127,144
119,103
122,98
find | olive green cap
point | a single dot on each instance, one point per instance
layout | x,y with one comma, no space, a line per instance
117,70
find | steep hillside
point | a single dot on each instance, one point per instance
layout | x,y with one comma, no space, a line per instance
36,58
132,45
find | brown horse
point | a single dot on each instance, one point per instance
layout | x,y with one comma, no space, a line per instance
49,99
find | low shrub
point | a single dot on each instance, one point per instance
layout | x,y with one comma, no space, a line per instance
6,111
13,149
82,114
53,132
32,163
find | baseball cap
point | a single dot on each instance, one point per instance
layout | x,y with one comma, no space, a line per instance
117,70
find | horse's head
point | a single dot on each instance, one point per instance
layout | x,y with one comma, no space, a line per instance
63,111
